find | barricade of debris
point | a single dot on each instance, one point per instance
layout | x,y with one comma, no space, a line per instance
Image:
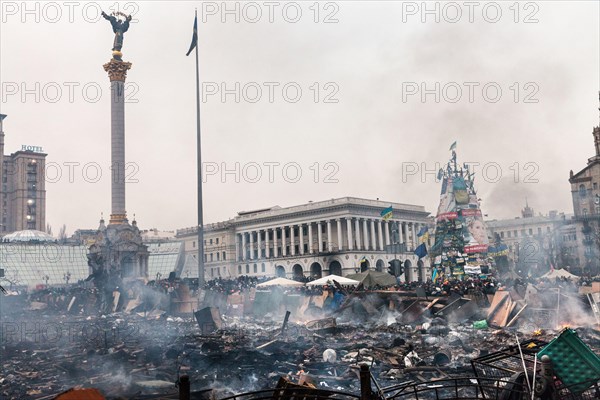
250,341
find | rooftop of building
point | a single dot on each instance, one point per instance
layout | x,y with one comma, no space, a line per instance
535,220
278,211
28,236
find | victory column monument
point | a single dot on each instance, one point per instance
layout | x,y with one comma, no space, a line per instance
117,255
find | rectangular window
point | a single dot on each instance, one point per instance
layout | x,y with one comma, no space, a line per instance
211,257
217,240
508,233
516,233
224,256
218,255
255,268
595,185
530,231
239,269
194,244
502,234
539,231
262,267
247,268
210,241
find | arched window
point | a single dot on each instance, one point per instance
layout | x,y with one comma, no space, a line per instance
582,190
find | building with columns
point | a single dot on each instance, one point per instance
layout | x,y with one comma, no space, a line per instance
337,236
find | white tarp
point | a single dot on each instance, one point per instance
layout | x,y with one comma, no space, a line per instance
280,282
559,273
328,280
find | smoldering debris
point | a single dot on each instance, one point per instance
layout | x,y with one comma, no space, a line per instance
144,350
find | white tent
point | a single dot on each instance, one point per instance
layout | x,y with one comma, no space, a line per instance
326,280
559,273
280,282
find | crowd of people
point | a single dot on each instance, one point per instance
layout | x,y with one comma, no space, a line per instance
474,286
59,297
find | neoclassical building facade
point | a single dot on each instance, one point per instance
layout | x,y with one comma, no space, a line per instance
337,236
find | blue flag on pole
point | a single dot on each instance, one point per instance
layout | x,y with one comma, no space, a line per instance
194,37
421,251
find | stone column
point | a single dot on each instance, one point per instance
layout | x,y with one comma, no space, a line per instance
301,238
243,246
414,236
349,229
320,236
339,234
366,235
310,238
357,230
329,242
380,235
373,236
237,247
283,244
417,229
400,232
117,73
292,241
251,245
258,245
387,233
275,243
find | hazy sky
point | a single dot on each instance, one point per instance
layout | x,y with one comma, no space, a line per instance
359,127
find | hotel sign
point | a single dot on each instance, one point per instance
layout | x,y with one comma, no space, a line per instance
35,149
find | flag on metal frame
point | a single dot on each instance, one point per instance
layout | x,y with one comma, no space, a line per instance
194,37
363,260
386,213
421,251
453,146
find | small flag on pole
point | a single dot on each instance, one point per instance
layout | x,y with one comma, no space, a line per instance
453,146
194,36
421,251
386,213
363,260
423,234
434,275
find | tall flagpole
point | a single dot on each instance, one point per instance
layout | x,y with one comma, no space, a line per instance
199,150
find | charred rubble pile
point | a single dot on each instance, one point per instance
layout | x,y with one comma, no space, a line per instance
261,339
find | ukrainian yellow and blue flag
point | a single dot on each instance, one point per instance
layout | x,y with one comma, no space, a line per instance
423,234
386,213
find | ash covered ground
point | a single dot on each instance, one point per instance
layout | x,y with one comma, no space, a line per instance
132,354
